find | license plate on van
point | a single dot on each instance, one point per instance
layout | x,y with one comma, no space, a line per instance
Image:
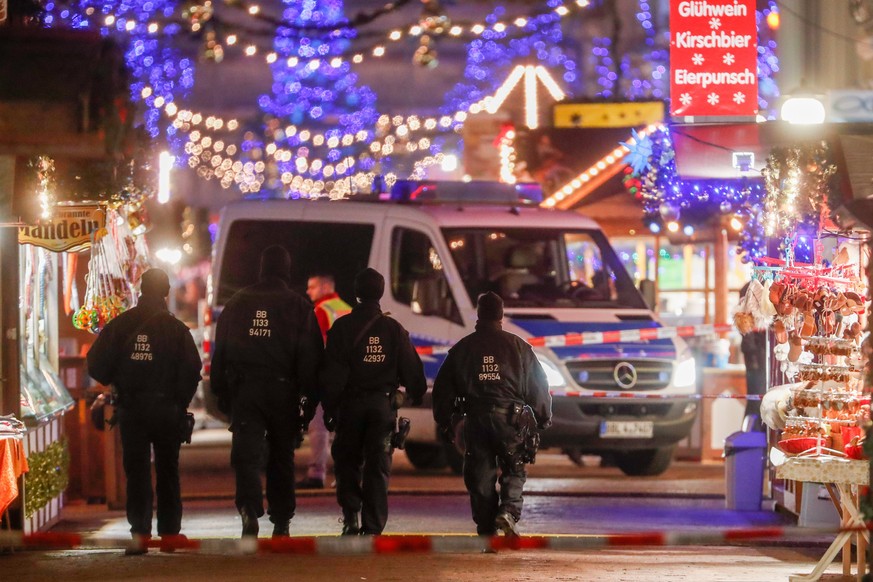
620,429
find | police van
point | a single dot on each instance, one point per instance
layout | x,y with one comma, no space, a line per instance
441,244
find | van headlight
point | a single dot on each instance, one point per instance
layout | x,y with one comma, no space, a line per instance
553,374
685,373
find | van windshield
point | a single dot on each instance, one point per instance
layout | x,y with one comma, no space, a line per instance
548,268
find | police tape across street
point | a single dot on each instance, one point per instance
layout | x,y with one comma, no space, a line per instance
617,336
409,543
606,337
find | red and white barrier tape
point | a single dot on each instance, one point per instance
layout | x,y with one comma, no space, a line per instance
635,395
396,544
606,337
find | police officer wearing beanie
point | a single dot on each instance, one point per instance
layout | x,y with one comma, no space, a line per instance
493,371
267,351
150,359
368,357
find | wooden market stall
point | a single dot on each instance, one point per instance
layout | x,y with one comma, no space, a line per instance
63,100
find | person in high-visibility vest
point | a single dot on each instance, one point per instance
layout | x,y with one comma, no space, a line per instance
321,288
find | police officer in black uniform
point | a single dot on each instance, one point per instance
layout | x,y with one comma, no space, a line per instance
496,373
368,356
267,351
150,358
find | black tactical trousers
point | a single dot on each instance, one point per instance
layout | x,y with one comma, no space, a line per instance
147,425
362,458
490,439
264,412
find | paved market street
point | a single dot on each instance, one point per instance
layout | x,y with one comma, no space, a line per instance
562,499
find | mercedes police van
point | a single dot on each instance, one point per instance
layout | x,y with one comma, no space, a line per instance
439,245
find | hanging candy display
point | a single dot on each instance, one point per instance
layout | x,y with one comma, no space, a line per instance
118,258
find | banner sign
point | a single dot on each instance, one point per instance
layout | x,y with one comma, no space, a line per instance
713,58
69,229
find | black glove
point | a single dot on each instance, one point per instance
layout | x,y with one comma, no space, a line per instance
329,423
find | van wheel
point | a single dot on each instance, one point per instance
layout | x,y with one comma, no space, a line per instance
426,455
643,463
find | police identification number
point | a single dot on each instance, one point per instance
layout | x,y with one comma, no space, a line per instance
490,371
374,351
142,349
260,325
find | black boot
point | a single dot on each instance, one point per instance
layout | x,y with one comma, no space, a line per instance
505,522
281,529
351,524
249,523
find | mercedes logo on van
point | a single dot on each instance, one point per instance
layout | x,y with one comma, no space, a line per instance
625,375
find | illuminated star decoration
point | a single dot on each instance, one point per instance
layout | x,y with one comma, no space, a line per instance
531,74
640,152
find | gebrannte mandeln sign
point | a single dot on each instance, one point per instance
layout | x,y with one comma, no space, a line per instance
713,58
69,229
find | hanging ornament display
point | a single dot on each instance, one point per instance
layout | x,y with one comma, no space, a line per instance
118,259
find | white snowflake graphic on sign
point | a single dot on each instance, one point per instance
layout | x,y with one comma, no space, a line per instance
739,98
729,59
712,98
715,23
697,59
685,98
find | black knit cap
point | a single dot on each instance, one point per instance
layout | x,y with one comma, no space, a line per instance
369,285
276,262
490,307
154,283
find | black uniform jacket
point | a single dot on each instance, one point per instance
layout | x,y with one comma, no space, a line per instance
146,351
267,330
382,359
491,367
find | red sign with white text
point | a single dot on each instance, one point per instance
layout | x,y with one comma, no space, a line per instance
713,57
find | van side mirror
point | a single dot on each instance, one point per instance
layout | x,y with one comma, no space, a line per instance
427,296
647,289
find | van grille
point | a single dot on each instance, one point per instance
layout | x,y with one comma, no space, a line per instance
600,374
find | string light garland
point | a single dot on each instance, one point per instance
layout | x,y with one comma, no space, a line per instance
496,51
45,176
800,181
318,92
615,156
163,77
172,26
673,204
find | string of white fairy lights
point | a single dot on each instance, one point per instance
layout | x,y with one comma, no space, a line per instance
121,21
212,157
205,150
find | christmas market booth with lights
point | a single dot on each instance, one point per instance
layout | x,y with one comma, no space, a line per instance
72,184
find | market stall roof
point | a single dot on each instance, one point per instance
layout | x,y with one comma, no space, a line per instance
719,151
716,150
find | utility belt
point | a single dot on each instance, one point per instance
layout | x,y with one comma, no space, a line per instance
508,411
